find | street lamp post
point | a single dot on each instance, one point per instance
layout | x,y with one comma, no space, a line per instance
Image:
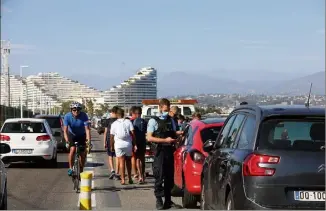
21,90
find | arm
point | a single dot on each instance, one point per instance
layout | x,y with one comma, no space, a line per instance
112,142
104,139
132,132
65,128
88,131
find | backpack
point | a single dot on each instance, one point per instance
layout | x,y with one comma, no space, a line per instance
122,131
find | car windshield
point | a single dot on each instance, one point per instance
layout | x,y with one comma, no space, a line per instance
23,127
305,134
210,133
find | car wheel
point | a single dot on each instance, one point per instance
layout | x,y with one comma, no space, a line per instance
229,205
203,197
189,200
4,200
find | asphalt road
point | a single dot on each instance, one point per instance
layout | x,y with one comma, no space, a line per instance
34,188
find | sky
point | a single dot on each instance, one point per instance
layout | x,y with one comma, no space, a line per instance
222,37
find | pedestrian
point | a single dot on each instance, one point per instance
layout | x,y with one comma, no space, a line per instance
111,154
161,132
133,157
140,127
122,143
182,122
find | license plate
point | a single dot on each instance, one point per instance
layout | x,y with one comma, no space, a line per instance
149,160
309,196
22,151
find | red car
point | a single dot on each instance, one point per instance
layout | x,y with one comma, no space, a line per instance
189,157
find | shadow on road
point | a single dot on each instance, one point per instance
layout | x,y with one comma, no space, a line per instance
97,151
94,164
120,187
60,165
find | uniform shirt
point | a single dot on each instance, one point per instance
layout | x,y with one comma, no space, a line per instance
152,125
76,125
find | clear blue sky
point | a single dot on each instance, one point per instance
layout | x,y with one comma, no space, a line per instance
99,36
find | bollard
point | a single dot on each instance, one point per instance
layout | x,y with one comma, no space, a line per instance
85,199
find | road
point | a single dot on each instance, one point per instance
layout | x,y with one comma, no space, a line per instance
36,188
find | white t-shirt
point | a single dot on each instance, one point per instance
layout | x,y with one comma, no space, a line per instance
118,126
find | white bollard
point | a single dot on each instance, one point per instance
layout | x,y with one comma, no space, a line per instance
85,199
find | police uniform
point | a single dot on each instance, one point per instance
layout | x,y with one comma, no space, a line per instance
163,166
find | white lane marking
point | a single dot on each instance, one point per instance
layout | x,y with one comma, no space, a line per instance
89,169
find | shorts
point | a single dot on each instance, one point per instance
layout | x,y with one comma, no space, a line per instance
80,139
141,150
109,152
125,151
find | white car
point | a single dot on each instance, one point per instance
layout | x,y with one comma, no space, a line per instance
30,140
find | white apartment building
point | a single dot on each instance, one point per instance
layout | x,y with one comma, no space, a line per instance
131,92
64,88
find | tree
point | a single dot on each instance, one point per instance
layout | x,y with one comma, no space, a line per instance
99,112
65,107
90,107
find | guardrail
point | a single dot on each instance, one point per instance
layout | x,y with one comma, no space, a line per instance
85,195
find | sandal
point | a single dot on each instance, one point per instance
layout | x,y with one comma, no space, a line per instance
131,182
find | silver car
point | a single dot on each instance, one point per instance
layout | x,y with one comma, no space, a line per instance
56,124
4,148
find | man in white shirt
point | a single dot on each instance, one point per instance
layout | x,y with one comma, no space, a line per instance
123,143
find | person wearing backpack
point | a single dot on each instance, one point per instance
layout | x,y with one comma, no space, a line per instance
140,127
123,144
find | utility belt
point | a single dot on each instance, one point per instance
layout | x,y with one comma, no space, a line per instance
156,148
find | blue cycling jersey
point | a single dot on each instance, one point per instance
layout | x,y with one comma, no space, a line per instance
76,125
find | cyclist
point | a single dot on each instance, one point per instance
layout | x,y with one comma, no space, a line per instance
76,129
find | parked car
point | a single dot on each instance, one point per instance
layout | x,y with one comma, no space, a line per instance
56,124
4,148
30,139
149,159
267,157
189,158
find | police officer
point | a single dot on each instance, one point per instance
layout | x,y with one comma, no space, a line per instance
161,132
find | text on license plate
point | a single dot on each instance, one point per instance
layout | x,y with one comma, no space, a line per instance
309,195
149,160
22,151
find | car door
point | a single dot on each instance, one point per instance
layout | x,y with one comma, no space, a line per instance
211,161
224,160
178,159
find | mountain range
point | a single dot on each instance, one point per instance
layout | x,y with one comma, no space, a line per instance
183,83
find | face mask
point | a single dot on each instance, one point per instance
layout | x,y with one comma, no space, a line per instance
165,113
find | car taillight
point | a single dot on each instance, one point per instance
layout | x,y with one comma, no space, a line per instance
4,138
43,138
149,153
197,156
253,165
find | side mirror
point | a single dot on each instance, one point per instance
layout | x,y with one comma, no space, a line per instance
57,133
4,148
208,145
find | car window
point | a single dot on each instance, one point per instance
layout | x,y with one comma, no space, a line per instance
292,134
225,130
190,136
210,133
246,138
186,111
184,136
53,122
230,140
26,127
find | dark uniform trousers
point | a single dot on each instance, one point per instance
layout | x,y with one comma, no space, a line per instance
163,170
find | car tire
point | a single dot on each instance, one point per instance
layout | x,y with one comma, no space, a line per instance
189,201
203,205
229,204
4,204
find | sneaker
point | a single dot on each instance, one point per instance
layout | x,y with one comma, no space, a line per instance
117,177
70,172
159,204
112,174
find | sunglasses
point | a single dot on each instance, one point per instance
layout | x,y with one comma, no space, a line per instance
75,110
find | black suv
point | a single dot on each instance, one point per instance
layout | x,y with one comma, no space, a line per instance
267,157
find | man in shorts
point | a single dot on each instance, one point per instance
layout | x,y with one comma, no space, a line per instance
76,129
111,154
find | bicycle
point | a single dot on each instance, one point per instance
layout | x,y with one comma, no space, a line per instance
76,165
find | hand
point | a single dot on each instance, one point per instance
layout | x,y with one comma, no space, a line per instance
135,148
112,149
170,140
67,145
105,146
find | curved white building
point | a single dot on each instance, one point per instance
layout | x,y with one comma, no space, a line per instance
131,92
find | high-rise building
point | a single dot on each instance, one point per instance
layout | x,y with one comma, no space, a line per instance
131,92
